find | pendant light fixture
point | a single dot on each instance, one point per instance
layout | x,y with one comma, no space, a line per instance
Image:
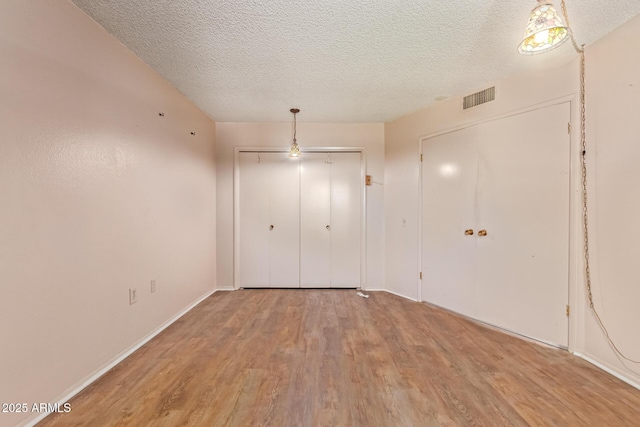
295,149
545,30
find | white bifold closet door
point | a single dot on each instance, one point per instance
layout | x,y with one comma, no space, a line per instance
330,220
315,221
269,220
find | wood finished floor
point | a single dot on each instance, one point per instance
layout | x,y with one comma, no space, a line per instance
331,358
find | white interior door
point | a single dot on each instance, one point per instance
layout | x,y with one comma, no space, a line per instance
284,227
346,214
449,172
509,177
523,203
253,226
315,217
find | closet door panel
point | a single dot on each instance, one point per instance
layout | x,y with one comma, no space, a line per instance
449,172
254,220
523,194
284,210
346,214
315,215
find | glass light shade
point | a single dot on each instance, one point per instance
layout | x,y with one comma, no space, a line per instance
295,150
545,31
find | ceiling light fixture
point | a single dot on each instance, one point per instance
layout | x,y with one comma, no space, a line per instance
545,30
295,149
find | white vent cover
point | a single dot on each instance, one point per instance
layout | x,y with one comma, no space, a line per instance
478,98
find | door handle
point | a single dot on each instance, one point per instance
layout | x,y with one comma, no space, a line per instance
328,227
468,232
271,227
482,233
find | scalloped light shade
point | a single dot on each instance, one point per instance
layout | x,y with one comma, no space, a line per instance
545,31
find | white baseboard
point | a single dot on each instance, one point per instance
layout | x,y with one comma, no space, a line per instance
226,289
607,368
91,378
394,293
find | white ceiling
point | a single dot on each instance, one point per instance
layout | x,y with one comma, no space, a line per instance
336,60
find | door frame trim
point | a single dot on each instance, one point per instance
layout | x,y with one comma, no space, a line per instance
575,287
363,201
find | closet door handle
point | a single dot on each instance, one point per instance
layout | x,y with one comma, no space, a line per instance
482,233
328,227
271,227
468,232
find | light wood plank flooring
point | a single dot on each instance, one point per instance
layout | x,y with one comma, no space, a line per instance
331,358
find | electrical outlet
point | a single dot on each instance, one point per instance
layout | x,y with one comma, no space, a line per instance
133,296
153,286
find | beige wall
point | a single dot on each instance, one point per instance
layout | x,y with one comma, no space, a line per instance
613,85
613,112
367,135
98,193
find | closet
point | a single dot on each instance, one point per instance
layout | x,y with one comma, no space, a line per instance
299,220
495,222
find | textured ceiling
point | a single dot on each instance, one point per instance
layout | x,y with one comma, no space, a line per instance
336,60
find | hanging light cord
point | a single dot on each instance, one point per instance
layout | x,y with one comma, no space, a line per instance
578,49
294,127
585,216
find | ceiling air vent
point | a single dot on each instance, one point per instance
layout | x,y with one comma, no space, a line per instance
478,98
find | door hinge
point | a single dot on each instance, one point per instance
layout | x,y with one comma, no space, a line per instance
569,128
420,157
368,180
421,275
568,310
